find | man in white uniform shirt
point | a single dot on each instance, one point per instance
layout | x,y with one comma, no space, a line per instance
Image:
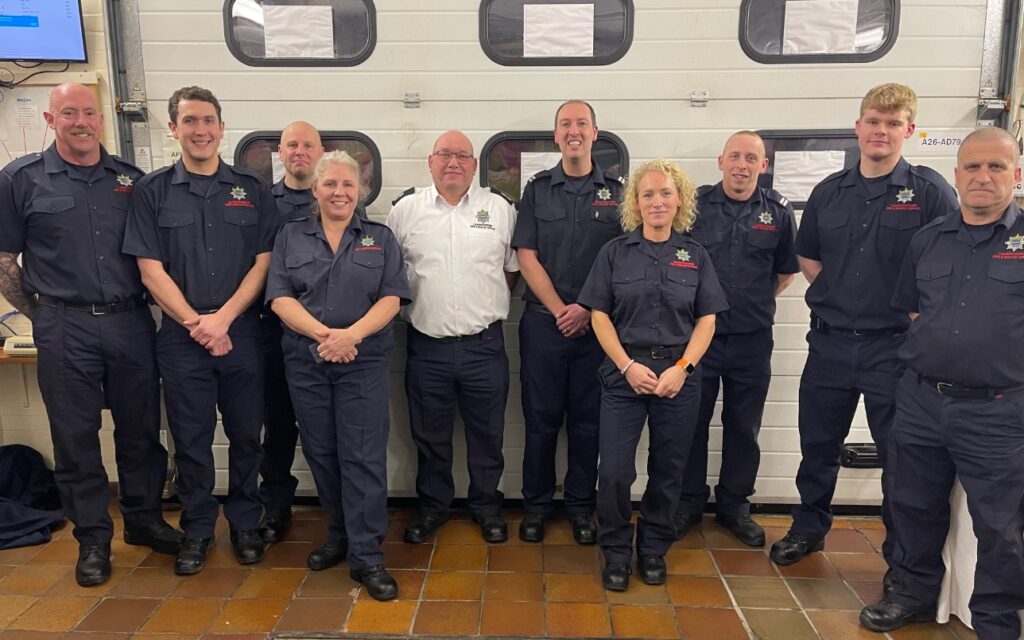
456,239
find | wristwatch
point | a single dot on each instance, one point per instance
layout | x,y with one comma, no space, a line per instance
687,367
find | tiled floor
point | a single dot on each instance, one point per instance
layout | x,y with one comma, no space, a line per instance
717,590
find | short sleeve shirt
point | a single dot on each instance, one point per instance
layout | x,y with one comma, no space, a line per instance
860,233
567,225
653,293
207,241
970,297
68,221
750,243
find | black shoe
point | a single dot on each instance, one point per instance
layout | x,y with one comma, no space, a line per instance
158,536
492,528
191,556
683,522
615,576
888,615
426,525
93,565
248,546
325,557
531,529
274,524
794,547
584,531
652,569
378,583
888,582
744,528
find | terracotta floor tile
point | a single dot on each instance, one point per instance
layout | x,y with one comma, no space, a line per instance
710,624
874,536
735,562
769,624
221,555
54,614
287,554
928,631
521,558
31,635
396,530
573,587
332,583
85,635
183,616
164,561
32,580
13,606
127,555
249,616
19,555
5,569
512,619
118,614
459,557
410,583
400,555
773,535
461,585
854,522
574,559
847,541
306,531
460,532
772,520
64,551
855,566
715,537
578,620
147,583
633,621
840,625
869,591
211,582
813,593
815,565
68,586
524,586
271,583
697,591
370,616
639,593
320,614
962,631
558,531
226,636
761,592
690,562
447,618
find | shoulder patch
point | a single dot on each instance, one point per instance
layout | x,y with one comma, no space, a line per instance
775,196
501,193
407,192
24,161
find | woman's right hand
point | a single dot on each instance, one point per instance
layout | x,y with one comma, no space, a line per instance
337,345
641,379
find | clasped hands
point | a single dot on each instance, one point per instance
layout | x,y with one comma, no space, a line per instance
644,382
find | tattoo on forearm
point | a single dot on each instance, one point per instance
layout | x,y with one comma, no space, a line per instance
10,283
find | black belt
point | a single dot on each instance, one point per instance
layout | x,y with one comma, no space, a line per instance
655,353
539,308
451,339
98,309
821,326
206,312
954,390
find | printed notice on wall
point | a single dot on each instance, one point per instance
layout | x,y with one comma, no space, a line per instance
796,172
558,31
531,163
298,31
820,26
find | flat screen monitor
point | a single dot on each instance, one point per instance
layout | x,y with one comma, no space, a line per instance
42,31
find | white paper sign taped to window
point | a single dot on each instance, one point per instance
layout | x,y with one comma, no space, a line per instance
558,31
820,26
298,31
533,162
796,172
277,167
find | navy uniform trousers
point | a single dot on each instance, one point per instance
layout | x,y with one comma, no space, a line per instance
840,367
936,438
557,377
88,363
671,423
196,385
277,489
742,364
343,421
471,371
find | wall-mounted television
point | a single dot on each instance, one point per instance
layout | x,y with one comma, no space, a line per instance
42,31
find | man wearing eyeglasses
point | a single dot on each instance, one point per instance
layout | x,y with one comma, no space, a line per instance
456,239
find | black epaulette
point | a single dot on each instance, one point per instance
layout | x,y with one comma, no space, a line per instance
543,173
120,160
929,174
933,223
775,196
249,173
608,175
407,192
504,197
23,161
705,189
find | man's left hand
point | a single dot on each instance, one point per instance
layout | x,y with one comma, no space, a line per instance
573,320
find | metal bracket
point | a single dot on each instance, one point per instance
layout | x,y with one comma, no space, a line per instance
989,109
411,99
698,99
134,109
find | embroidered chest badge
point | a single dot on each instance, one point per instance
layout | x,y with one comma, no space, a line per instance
604,193
683,255
1015,243
238,193
483,216
124,181
765,217
367,241
905,196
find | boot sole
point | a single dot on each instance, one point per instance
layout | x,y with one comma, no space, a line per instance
921,616
820,546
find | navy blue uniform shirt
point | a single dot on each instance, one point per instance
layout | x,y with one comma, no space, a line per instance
293,204
337,288
750,243
567,228
970,295
860,232
69,222
653,293
207,241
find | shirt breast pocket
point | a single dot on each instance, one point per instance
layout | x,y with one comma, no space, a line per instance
1004,290
175,219
933,282
605,215
240,216
834,222
763,240
300,270
681,287
368,273
706,237
628,284
53,214
901,220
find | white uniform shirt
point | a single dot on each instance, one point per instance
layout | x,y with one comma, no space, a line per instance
456,259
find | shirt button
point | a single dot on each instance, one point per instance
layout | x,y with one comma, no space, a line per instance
97,233
963,304
967,277
655,262
209,224
101,257
654,326
210,249
862,249
865,225
212,273
956,332
330,308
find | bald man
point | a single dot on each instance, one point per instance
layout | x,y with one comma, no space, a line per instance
456,239
64,211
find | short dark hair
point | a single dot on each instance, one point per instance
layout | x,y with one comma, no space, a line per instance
593,116
191,93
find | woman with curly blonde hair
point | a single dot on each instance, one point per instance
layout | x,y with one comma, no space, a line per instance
653,296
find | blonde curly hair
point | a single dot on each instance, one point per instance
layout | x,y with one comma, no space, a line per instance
629,212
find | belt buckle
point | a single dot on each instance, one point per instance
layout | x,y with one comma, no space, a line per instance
98,309
658,350
939,386
861,333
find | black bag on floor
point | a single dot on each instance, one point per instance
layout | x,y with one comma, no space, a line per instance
29,502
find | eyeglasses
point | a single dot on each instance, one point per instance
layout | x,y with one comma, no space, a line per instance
446,156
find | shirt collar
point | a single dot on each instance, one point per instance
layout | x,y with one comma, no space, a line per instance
717,195
558,174
436,198
181,174
636,236
953,222
54,163
900,175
